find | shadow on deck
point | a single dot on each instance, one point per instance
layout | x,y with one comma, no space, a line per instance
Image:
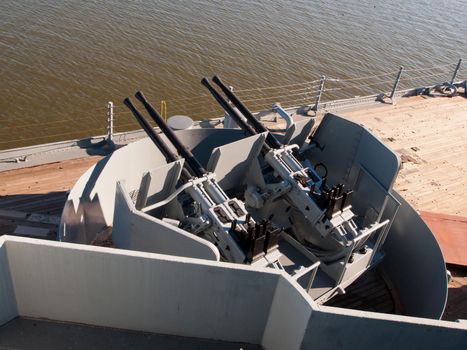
32,215
456,307
25,333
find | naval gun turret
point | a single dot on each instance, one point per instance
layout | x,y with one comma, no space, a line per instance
165,200
211,214
319,216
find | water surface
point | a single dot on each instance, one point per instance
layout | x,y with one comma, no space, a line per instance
61,61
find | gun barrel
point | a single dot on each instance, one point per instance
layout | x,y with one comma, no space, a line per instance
168,154
155,138
270,139
228,108
194,164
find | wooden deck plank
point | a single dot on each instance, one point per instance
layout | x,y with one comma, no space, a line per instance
39,189
436,178
47,178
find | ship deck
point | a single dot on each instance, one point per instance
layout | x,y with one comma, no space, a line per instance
428,133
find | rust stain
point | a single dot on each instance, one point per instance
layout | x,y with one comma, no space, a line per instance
451,234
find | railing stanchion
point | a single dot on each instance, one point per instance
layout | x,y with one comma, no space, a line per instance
320,92
110,122
313,275
456,70
396,83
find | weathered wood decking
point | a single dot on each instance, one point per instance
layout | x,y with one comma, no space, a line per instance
430,134
32,199
55,177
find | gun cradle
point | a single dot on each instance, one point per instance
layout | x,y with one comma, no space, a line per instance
290,218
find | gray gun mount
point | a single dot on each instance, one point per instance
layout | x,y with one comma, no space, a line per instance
319,216
211,213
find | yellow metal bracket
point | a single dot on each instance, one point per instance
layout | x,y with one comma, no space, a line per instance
164,110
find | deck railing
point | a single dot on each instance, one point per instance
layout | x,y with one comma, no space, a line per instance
321,94
325,93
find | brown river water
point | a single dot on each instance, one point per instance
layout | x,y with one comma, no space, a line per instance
61,61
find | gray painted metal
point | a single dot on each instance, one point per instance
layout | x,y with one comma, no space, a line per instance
415,264
138,291
110,122
232,162
276,108
320,93
90,205
454,75
298,132
332,328
396,84
346,147
135,230
180,122
352,155
9,308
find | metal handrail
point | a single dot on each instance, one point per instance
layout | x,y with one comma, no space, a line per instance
313,269
356,240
